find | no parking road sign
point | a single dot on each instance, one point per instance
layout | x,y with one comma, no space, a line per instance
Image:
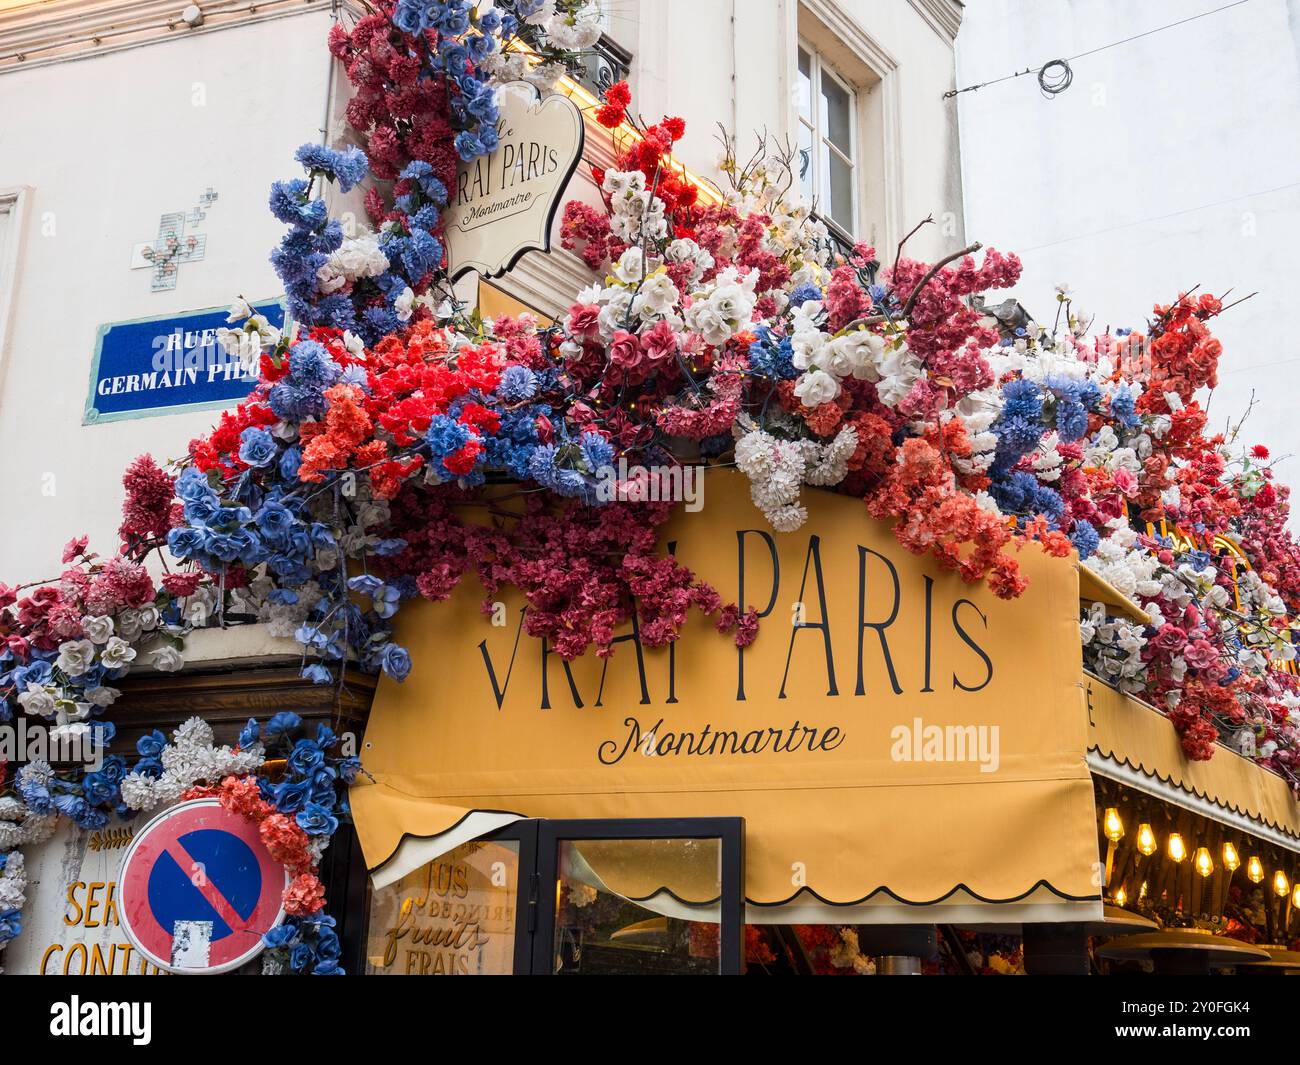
198,889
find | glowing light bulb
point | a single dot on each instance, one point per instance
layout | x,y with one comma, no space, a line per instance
1146,840
1113,826
1121,896
1203,862
1230,860
1280,883
1255,870
1177,850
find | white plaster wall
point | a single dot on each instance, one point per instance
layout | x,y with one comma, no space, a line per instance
107,144
1171,161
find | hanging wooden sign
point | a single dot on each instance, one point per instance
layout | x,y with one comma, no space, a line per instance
504,203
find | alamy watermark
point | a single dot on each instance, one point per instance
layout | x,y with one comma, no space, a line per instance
919,742
651,484
24,740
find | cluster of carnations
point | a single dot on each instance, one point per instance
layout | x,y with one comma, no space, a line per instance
427,77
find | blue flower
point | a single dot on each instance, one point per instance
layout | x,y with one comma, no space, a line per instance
280,936
1022,399
598,451
316,820
310,365
1085,538
257,447
518,383
249,734
347,167
395,661
283,723
151,744
318,674
289,463
305,756
11,924
468,146
803,293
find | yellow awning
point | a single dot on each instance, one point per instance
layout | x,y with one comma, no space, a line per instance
917,742
1093,589
1134,743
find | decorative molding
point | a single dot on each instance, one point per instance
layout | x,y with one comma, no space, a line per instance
942,16
547,283
60,31
227,698
13,209
852,36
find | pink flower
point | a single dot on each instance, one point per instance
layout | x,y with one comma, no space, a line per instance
305,894
75,548
659,344
1170,639
584,319
1126,482
1200,654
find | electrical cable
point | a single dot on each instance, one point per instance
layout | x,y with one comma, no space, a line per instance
1056,75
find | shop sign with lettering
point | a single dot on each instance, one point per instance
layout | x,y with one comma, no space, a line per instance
504,203
72,922
167,365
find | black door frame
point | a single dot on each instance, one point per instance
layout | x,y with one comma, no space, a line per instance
729,831
538,841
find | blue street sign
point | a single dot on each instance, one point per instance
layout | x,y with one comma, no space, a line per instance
167,365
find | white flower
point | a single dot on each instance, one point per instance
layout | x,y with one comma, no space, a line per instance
544,13
37,700
816,387
129,624
97,629
167,659
101,696
630,266
75,657
574,33
239,310
620,184
657,296
117,653
404,305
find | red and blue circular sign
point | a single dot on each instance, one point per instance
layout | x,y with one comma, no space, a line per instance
198,889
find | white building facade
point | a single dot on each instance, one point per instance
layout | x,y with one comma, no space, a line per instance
1171,161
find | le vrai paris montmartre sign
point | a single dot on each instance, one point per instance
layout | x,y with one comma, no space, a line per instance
504,203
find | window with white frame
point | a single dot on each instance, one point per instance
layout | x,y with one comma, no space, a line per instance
827,140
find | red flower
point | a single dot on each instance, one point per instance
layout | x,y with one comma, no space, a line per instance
618,94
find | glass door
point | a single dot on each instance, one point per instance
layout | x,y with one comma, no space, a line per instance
652,896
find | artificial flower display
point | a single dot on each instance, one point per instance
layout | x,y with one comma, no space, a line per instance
725,329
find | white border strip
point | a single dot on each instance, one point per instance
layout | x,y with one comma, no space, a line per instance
413,853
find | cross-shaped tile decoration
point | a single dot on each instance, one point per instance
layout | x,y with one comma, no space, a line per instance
171,248
199,213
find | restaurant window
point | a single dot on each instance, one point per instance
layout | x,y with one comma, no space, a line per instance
827,107
607,897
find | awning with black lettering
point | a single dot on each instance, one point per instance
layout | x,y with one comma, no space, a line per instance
902,746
